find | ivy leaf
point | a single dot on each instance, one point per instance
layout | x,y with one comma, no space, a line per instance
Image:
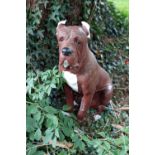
49,90
37,135
41,95
100,150
67,132
107,146
63,152
41,120
52,121
61,135
53,85
50,110
54,142
37,116
85,138
31,124
96,143
30,85
32,150
57,132
126,130
32,109
121,140
48,136
102,134
39,153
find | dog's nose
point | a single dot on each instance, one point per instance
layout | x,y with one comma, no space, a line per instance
66,51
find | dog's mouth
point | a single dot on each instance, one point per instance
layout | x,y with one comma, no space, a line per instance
66,65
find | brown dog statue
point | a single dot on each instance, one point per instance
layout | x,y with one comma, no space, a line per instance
81,70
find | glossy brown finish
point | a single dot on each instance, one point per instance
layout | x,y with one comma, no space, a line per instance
94,82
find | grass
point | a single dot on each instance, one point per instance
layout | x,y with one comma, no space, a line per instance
121,5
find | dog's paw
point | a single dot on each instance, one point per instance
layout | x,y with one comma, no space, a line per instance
81,115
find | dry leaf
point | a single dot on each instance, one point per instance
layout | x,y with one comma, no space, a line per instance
117,126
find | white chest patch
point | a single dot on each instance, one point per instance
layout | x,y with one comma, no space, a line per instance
71,80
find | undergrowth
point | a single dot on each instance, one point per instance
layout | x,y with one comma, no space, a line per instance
54,131
50,129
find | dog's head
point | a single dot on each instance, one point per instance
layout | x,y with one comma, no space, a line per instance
73,45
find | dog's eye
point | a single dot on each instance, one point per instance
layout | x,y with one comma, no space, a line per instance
61,38
76,40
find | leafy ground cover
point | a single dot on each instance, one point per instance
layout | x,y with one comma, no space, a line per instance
50,129
53,131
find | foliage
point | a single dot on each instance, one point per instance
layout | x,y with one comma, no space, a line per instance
51,130
122,6
42,19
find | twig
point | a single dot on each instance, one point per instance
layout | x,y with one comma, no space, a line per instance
124,108
121,88
65,145
118,109
37,105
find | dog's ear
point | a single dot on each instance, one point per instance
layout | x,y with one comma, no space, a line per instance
86,28
63,22
60,24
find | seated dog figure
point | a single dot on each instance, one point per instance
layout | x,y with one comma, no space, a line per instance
81,71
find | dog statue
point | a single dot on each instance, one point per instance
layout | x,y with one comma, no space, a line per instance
81,70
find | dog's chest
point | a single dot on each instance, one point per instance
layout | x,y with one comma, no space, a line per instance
71,80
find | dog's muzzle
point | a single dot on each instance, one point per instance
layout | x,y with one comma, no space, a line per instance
65,64
67,51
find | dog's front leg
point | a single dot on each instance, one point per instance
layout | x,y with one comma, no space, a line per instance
85,104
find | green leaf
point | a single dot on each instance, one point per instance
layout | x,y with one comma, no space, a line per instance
61,135
31,124
67,132
102,134
49,90
41,120
50,110
52,121
70,123
32,109
57,132
121,140
39,153
32,151
79,144
30,85
126,130
85,138
63,152
37,116
66,108
40,34
37,135
100,150
48,136
54,142
107,146
31,136
41,95
52,85
96,143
